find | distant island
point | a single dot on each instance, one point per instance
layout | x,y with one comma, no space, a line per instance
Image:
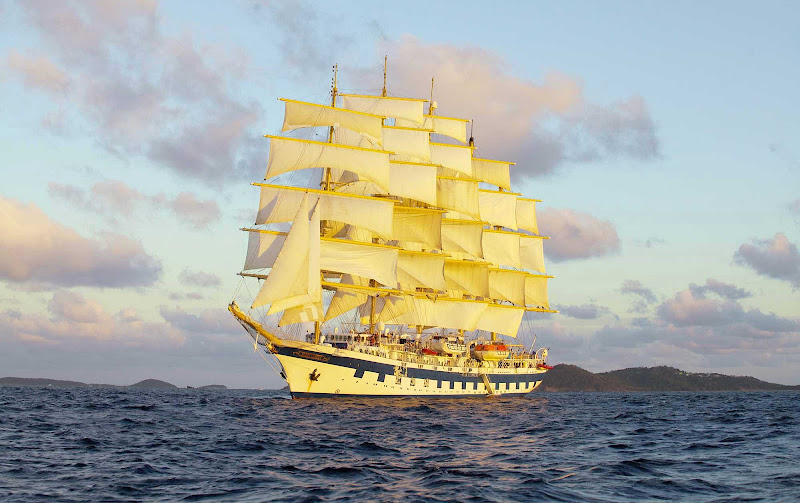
565,377
562,377
56,383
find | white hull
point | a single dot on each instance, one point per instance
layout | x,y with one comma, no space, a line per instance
314,370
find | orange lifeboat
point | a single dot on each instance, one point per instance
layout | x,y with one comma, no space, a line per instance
491,352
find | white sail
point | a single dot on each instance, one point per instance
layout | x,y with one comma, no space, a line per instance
536,291
291,154
295,276
399,108
498,208
302,314
458,194
406,179
501,248
418,225
278,203
407,144
299,114
526,215
421,270
463,236
378,262
501,319
263,248
494,172
505,284
531,253
344,136
467,276
422,311
455,157
447,126
346,299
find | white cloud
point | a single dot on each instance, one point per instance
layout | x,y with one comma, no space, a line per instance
776,258
576,235
34,248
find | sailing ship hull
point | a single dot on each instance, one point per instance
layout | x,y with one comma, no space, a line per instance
314,370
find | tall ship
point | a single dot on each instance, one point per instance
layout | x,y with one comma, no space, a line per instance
391,259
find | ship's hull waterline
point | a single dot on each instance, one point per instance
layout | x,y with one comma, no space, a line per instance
314,370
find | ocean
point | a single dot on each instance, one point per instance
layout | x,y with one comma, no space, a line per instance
83,444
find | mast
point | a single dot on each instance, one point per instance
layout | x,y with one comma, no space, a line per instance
432,104
327,182
385,59
372,281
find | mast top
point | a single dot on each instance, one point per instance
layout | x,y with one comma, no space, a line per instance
334,89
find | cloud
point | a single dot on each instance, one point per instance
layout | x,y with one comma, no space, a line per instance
585,311
38,72
776,258
688,310
208,321
725,290
576,235
538,124
112,199
35,248
140,91
199,278
73,318
307,44
637,288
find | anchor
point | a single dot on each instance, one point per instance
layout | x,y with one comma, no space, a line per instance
314,375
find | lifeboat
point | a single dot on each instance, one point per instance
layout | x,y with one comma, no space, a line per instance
544,366
429,352
449,345
491,352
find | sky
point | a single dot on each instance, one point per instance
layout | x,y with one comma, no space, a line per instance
661,137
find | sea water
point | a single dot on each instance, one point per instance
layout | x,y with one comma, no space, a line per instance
80,444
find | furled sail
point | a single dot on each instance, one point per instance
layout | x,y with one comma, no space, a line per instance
388,106
295,277
299,114
291,154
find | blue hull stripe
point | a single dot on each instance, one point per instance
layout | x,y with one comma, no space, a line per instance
386,372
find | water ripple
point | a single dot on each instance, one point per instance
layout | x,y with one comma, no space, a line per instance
140,445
